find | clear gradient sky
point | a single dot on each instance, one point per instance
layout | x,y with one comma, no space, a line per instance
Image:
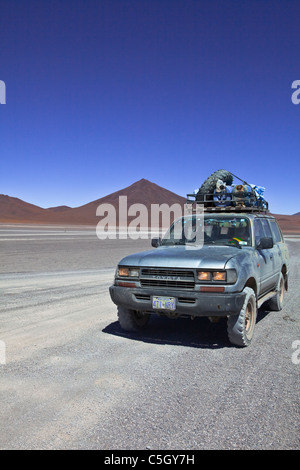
102,93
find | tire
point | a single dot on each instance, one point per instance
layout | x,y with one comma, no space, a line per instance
132,320
276,303
240,328
210,183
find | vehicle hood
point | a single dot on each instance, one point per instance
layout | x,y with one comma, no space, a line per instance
207,257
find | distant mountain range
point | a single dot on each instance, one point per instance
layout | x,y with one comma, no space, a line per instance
141,192
14,210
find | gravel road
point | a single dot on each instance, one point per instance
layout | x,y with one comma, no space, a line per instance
71,379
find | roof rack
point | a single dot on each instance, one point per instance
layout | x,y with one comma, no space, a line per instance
250,204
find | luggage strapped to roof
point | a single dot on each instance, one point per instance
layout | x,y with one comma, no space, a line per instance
229,198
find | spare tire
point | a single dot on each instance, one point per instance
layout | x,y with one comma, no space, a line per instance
209,184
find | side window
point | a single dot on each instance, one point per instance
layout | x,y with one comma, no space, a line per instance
276,231
258,230
266,227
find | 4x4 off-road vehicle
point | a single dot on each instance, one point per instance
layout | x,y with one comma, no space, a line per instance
241,263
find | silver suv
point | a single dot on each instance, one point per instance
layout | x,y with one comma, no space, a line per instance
241,263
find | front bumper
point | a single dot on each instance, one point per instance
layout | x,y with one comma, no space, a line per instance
196,304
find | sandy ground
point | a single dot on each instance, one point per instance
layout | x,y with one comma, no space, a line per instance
72,379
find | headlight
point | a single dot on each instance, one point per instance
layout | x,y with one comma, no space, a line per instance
212,276
229,276
204,276
219,276
128,272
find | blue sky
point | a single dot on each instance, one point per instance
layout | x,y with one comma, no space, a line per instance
102,93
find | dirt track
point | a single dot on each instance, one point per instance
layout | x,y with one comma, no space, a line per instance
73,380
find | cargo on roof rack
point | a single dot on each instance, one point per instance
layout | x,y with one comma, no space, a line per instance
254,205
218,194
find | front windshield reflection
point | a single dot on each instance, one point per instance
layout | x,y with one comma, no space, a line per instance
196,230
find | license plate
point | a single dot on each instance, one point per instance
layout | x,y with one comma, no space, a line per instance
163,303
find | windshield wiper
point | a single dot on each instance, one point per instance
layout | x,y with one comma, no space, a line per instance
183,242
220,243
171,243
236,244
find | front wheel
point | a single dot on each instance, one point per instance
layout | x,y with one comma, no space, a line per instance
132,320
240,327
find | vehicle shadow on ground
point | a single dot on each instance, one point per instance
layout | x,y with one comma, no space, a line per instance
262,313
197,333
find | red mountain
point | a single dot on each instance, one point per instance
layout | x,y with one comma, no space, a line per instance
13,209
141,192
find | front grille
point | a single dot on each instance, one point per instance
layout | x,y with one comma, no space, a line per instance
167,272
167,278
167,284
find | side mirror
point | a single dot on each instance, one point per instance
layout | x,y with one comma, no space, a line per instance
264,243
155,242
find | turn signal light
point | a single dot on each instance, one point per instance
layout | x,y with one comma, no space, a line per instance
212,289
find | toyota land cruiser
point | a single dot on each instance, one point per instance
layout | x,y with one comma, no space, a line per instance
242,263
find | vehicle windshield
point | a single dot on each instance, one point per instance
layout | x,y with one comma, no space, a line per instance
210,230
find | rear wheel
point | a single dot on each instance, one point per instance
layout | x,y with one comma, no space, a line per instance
132,320
241,327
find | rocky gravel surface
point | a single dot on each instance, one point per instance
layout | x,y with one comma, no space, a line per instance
71,379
